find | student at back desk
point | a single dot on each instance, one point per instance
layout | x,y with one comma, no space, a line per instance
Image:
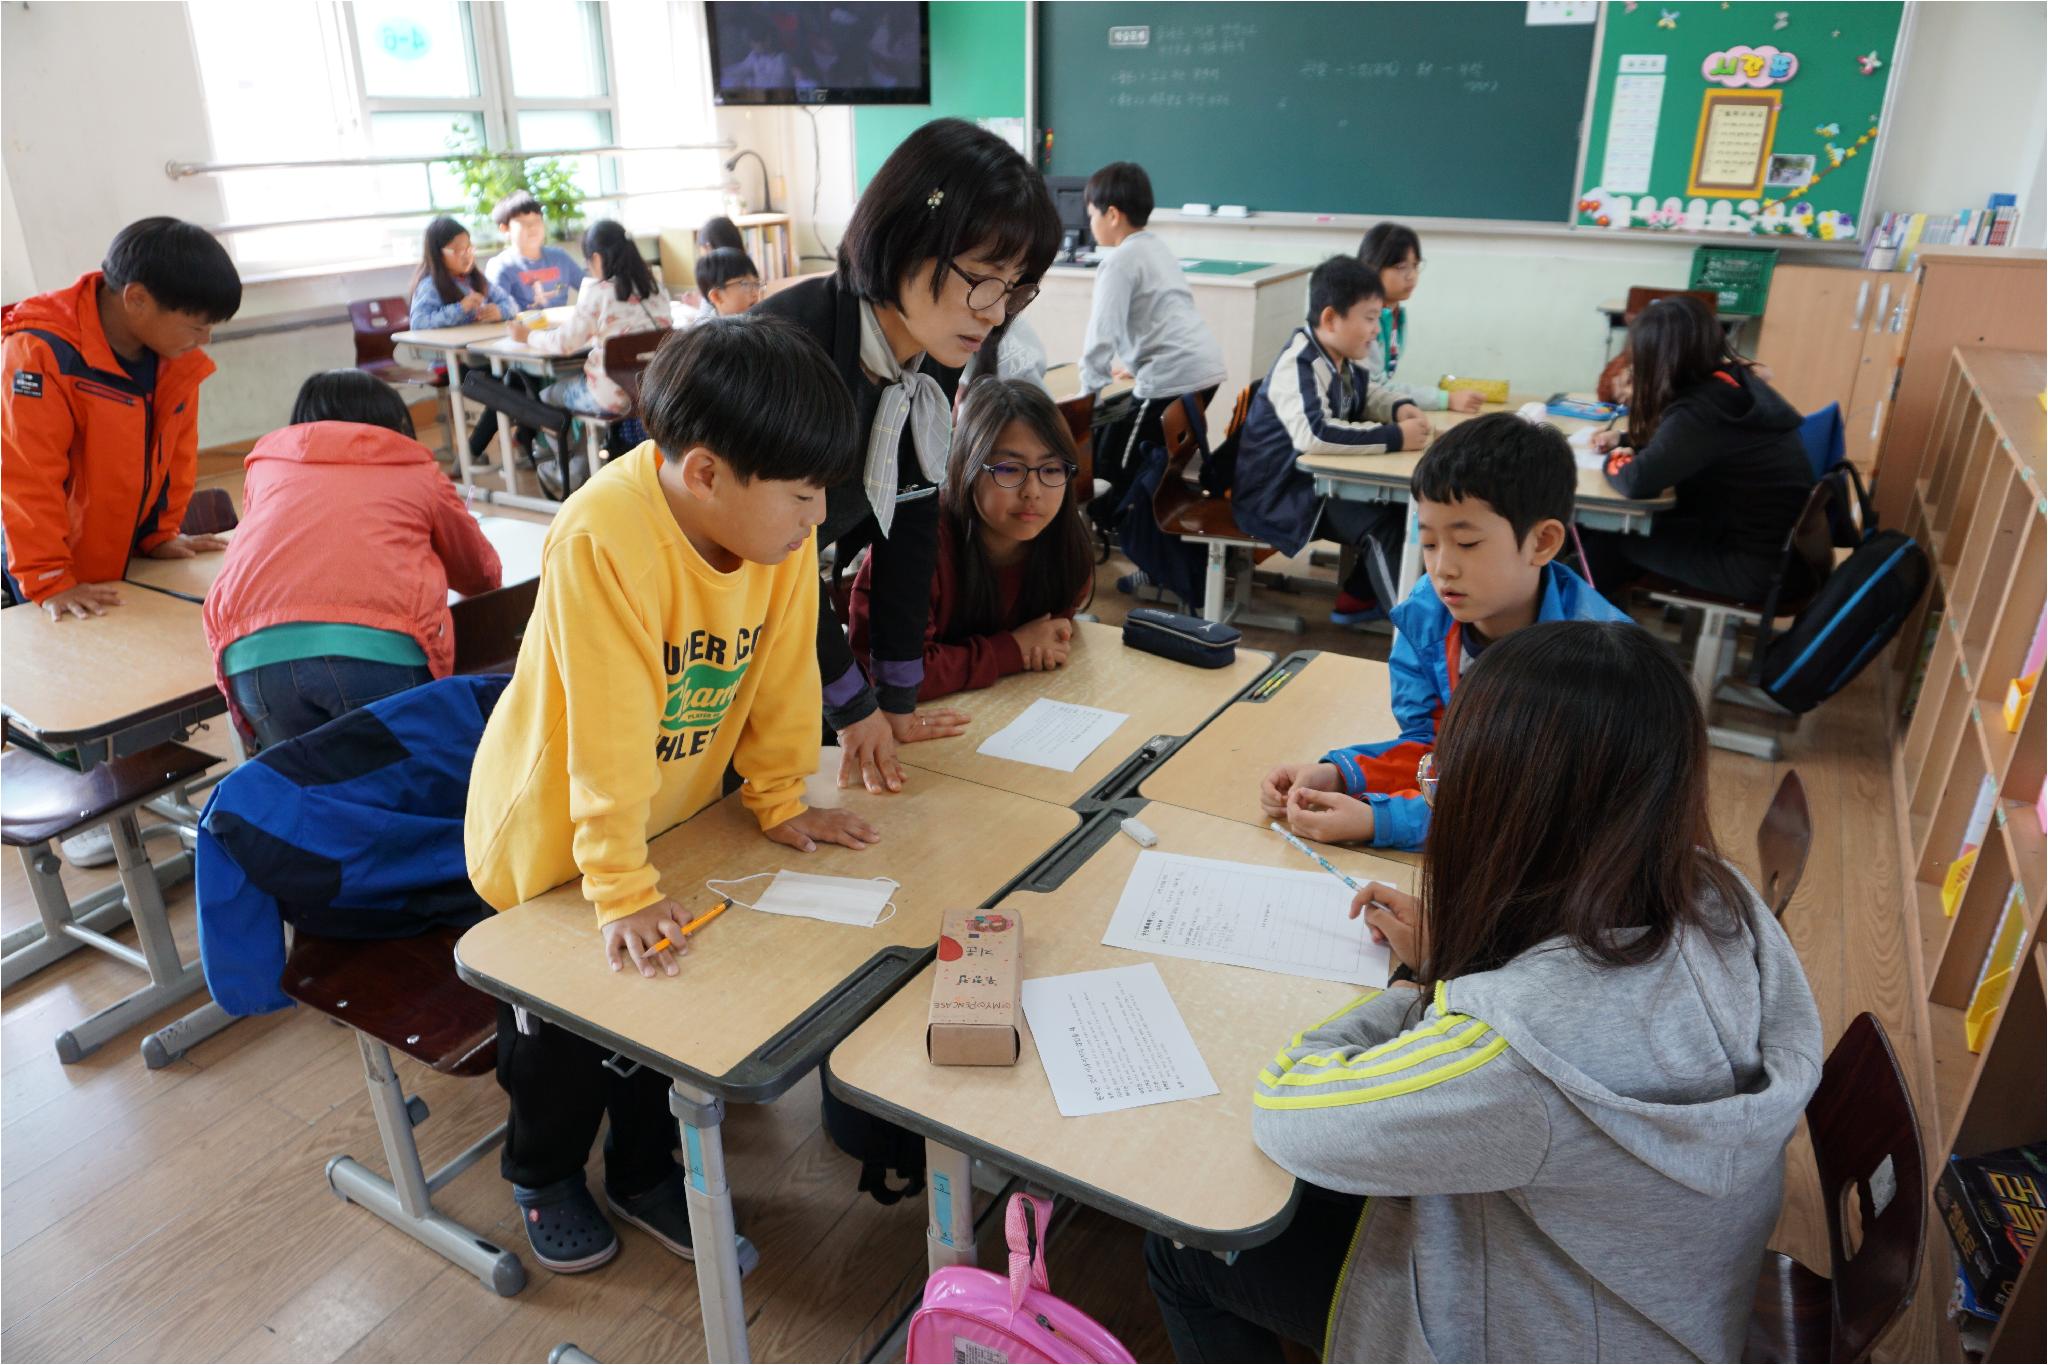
532,270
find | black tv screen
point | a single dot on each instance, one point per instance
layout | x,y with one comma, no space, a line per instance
819,52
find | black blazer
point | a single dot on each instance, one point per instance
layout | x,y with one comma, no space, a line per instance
904,561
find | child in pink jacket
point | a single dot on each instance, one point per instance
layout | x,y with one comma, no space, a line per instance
335,589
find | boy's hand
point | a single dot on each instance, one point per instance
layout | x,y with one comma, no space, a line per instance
86,599
633,938
1285,778
1415,431
186,547
1466,400
1604,441
1044,642
812,827
1329,817
1395,919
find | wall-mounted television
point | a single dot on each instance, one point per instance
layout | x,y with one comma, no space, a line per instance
819,52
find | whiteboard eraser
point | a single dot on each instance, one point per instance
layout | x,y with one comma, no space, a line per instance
1198,210
1137,829
1232,211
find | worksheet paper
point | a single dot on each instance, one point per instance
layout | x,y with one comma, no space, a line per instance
1053,734
1113,1040
1270,918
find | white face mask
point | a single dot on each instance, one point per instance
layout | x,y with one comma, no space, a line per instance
858,901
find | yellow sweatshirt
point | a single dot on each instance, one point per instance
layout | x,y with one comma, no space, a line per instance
643,672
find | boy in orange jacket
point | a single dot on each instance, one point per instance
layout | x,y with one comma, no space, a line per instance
100,415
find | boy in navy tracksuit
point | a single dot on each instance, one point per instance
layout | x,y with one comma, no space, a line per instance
1319,391
1493,498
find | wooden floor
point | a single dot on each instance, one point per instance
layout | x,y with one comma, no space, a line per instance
182,1214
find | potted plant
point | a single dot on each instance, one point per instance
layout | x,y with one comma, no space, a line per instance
487,177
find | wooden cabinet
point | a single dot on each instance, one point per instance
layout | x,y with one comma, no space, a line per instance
1829,337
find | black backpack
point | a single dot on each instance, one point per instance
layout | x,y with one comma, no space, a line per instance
880,1147
1856,611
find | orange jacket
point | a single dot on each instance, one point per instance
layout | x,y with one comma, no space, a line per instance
92,469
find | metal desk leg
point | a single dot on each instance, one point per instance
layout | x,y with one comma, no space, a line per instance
506,447
1215,595
458,433
1411,554
949,1185
181,1035
722,1255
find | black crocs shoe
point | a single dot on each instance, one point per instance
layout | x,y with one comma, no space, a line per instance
564,1226
663,1213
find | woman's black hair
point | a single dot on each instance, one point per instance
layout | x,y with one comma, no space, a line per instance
182,265
756,391
720,232
1059,564
1672,345
717,269
1571,804
440,233
624,266
948,188
1388,244
351,396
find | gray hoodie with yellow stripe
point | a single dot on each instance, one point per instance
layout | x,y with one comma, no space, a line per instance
1604,1146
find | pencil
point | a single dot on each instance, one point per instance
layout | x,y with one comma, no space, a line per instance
1321,861
698,923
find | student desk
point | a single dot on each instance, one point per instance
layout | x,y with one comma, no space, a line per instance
1160,697
504,354
451,343
1188,1170
190,579
1064,382
1329,701
109,684
1384,478
761,997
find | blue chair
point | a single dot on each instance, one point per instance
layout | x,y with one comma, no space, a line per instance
1821,434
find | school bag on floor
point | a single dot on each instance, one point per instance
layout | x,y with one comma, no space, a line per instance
970,1314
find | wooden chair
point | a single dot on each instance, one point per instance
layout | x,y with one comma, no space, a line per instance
43,801
375,322
1183,510
1782,843
490,625
1641,296
404,994
210,512
1866,1144
1806,561
1078,413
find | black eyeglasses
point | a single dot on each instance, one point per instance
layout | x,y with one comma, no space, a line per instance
1009,474
984,290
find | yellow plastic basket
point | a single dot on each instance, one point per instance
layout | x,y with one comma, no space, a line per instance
1492,390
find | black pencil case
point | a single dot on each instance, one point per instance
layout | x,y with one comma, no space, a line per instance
1184,639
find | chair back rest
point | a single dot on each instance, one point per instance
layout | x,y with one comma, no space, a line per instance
626,357
1782,843
1641,296
1174,492
374,320
210,512
490,625
1079,414
1866,1143
1821,435
1808,556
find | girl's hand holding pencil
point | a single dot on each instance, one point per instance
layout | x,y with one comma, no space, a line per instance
1395,919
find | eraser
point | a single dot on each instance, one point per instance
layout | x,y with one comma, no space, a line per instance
1199,210
1232,211
1137,830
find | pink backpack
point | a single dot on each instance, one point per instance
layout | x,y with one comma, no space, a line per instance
973,1315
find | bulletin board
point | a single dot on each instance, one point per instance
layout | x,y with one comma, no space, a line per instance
1756,117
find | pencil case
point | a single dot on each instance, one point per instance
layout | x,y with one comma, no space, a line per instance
1491,390
1184,639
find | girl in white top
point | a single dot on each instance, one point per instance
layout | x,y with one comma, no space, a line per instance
618,297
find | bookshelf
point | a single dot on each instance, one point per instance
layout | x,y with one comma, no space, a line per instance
1979,505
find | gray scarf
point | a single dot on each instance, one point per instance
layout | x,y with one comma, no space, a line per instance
911,396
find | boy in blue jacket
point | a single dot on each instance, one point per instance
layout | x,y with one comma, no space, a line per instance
1493,499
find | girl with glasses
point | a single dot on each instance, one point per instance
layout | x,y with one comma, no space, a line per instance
1014,561
1395,252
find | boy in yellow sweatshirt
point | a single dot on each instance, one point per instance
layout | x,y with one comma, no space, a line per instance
674,633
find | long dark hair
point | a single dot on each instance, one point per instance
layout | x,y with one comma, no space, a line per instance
624,266
351,396
1672,345
1059,564
1388,244
1571,802
440,233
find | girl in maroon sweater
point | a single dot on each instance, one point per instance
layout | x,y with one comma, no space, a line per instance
1014,562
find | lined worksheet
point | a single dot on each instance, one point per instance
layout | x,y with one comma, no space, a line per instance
1053,734
1113,1040
1273,919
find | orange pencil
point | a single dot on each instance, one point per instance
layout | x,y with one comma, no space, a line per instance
694,925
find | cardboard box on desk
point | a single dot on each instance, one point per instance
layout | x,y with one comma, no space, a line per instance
973,1019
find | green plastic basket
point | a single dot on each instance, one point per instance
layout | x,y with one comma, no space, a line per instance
1740,276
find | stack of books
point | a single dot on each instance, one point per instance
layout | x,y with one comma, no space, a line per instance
1899,236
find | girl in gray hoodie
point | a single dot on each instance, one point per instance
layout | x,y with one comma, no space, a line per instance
1570,1139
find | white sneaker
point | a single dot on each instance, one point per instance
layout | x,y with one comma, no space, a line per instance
94,848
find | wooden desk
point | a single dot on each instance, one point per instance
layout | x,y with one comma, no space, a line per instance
452,342
83,684
1333,700
1188,1169
1064,382
190,579
762,998
1159,696
1384,478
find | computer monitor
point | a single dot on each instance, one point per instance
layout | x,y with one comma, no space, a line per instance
1070,197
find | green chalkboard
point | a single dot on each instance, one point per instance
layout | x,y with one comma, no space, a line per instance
1659,63
1425,110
